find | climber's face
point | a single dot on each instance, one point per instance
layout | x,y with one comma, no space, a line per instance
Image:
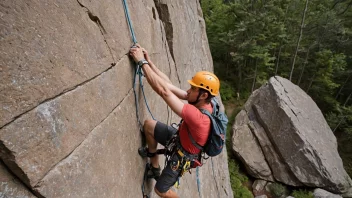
192,94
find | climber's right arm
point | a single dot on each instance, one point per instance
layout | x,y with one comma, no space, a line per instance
181,94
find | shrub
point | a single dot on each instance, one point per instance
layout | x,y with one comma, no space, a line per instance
302,194
237,179
226,90
277,190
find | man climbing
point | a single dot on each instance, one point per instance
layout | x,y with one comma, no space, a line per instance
194,129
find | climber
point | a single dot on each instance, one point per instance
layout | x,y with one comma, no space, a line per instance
204,86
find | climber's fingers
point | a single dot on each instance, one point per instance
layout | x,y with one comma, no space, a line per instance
146,55
136,53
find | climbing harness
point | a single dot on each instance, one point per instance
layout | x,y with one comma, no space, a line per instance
176,157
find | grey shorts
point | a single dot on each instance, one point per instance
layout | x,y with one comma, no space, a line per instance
162,134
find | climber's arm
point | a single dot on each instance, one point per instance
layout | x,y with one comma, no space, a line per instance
154,68
181,94
159,85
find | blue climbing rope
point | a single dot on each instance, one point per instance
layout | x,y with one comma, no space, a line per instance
198,182
129,22
142,87
138,69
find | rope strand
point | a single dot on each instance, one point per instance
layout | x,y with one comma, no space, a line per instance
129,22
138,70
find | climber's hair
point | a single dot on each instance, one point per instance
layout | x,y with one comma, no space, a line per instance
208,99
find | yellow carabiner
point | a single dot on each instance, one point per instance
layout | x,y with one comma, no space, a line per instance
177,184
187,166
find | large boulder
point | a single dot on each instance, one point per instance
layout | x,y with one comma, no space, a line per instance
68,125
292,136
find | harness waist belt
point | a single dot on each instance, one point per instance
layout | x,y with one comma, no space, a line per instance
183,153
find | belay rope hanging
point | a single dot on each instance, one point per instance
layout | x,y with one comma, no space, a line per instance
138,72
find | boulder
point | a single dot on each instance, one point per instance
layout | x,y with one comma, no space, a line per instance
68,125
248,150
294,137
259,187
320,193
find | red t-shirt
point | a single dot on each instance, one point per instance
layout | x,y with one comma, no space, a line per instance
198,125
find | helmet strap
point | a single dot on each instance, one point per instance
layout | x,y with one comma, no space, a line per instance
195,102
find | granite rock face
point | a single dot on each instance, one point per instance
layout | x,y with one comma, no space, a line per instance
292,136
67,114
10,186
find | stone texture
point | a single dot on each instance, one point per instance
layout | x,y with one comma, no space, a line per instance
48,48
297,132
248,150
187,40
48,133
320,193
67,116
259,187
280,171
10,186
99,161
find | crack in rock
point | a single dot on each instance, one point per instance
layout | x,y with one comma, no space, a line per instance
165,18
60,94
38,185
97,21
169,37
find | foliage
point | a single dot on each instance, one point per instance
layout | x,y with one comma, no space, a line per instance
302,194
277,190
227,92
237,179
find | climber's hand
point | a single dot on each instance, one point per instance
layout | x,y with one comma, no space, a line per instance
137,53
146,55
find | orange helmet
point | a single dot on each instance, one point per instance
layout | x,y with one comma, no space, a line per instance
206,80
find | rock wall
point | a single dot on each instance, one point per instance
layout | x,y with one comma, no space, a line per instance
68,126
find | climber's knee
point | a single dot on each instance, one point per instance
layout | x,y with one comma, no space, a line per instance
148,127
167,194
